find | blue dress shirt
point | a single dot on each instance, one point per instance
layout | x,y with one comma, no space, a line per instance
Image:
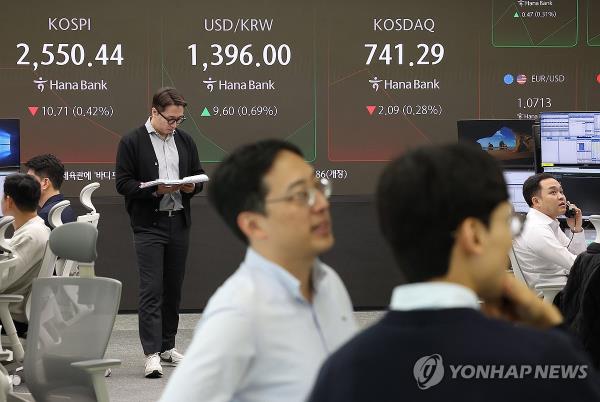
259,340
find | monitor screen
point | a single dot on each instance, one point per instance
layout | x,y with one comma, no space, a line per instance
583,192
514,183
570,139
10,146
509,141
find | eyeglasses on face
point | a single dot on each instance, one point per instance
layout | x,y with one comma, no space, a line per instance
172,120
307,197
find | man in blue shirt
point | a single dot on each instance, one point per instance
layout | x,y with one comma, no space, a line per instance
50,173
268,328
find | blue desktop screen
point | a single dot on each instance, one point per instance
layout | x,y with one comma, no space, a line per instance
10,144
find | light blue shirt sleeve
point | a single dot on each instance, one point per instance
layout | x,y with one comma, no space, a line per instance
216,361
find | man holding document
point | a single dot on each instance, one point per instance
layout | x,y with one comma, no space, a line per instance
151,161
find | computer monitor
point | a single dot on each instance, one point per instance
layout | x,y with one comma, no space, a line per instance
510,141
514,182
570,141
538,150
10,143
583,191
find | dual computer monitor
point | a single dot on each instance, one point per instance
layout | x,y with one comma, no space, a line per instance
565,144
570,150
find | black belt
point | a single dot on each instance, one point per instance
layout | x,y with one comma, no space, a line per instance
171,212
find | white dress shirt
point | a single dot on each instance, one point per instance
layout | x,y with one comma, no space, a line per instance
433,296
28,244
541,250
259,340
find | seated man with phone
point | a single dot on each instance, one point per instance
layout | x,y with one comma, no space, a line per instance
544,252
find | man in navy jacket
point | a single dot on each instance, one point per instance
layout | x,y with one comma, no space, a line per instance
49,171
444,211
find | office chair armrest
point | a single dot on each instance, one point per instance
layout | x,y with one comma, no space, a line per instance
97,364
11,298
550,286
5,356
550,290
9,325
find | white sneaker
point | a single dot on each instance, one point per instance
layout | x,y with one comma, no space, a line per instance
171,356
153,367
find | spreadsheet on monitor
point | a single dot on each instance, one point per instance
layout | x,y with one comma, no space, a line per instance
514,184
570,138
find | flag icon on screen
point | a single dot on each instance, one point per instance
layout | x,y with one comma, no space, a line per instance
521,79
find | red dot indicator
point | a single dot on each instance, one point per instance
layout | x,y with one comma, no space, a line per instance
598,78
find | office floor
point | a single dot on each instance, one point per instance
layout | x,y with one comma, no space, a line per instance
127,383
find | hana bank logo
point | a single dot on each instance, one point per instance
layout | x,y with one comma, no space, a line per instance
429,371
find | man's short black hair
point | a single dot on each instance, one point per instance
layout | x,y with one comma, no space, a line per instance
48,166
423,196
237,185
167,96
531,187
24,190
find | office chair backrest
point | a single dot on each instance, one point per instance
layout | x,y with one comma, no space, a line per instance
74,241
71,320
55,214
49,263
85,196
516,267
5,223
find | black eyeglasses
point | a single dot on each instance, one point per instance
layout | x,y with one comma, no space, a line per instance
307,197
173,120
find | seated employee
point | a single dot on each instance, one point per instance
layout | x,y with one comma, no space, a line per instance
49,172
543,251
437,343
268,328
20,200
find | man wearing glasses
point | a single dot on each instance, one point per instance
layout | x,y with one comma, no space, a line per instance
268,328
160,219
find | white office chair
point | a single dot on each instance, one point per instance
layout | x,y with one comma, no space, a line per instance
69,267
8,263
85,196
71,323
550,290
55,220
516,267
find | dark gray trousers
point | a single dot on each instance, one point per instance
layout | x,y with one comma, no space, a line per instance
161,254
